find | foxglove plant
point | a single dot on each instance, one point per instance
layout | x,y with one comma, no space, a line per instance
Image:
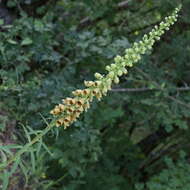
71,108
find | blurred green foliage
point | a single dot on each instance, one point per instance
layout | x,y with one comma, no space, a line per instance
46,54
174,176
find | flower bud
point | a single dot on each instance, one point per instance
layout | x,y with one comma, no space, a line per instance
97,83
77,92
108,68
59,122
104,90
69,101
88,83
111,74
129,64
125,71
86,92
118,59
61,107
98,76
123,64
95,91
113,66
119,72
116,80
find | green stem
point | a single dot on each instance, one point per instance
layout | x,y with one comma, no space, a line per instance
26,146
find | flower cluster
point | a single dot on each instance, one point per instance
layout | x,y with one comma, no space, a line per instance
71,108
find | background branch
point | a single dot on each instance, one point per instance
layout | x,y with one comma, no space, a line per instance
181,89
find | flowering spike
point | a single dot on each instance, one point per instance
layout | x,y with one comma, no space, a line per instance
71,108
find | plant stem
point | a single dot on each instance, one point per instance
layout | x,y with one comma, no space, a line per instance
26,146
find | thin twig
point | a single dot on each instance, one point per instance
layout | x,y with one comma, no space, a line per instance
181,89
123,4
186,88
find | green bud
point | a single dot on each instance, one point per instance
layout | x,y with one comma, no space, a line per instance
123,64
118,59
125,71
108,81
98,76
111,75
119,72
129,51
104,91
129,64
113,66
116,80
108,68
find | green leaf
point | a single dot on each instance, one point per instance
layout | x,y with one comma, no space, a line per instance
47,149
15,166
1,21
5,180
26,41
38,25
32,156
12,42
25,172
39,147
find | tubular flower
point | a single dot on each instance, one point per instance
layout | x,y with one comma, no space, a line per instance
68,112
